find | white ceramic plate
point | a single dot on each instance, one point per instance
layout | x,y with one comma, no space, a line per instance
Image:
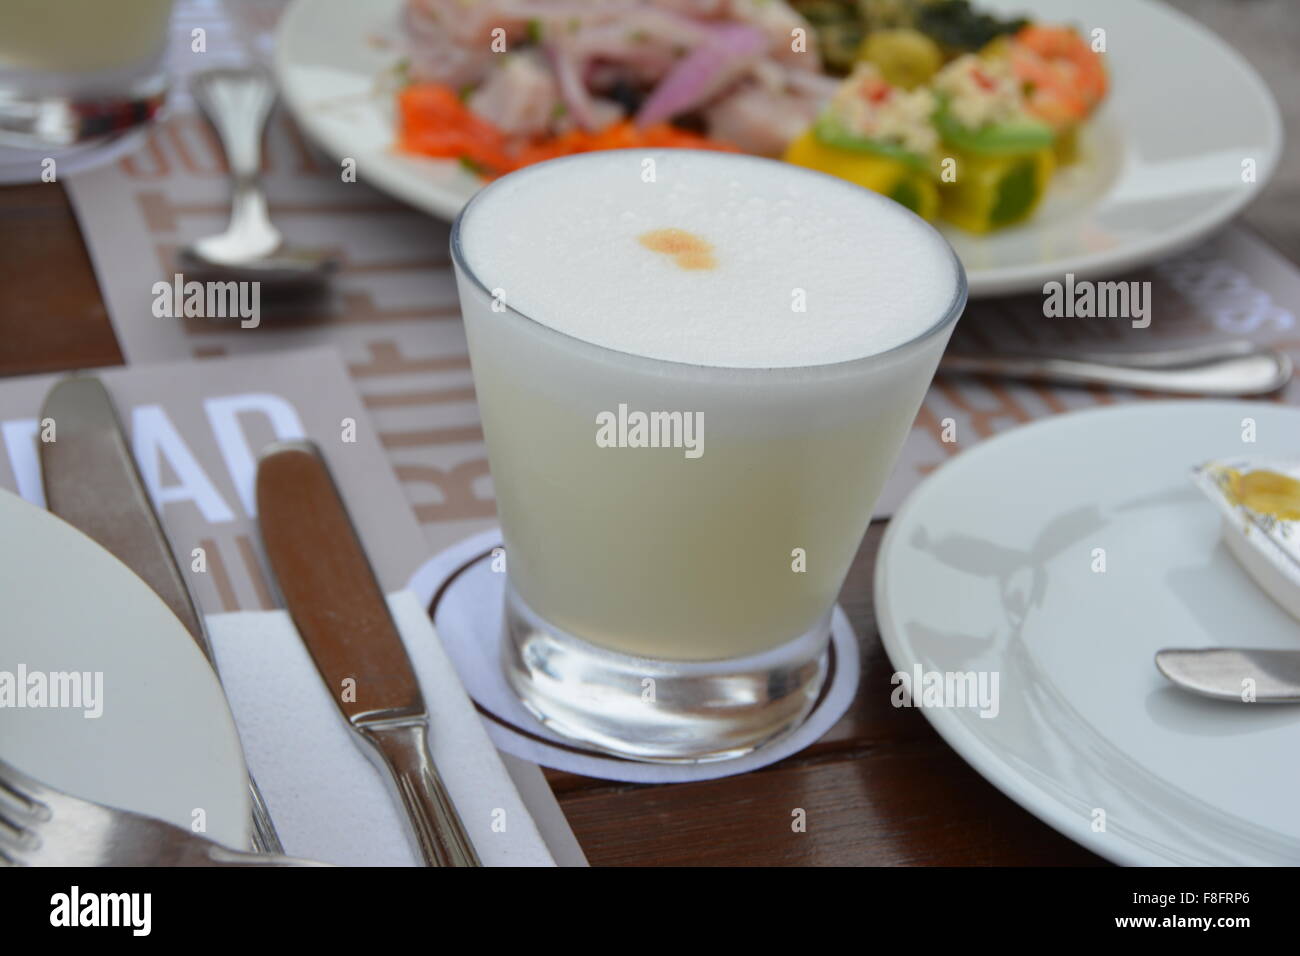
989,567
1163,157
165,744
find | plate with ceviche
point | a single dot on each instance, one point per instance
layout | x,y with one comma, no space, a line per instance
1043,137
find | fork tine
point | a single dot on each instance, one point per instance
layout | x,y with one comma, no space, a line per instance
13,804
20,810
15,836
21,794
91,834
14,779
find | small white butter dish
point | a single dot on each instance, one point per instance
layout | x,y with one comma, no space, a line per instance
1260,502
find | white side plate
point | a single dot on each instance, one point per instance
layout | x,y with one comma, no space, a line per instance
165,744
993,565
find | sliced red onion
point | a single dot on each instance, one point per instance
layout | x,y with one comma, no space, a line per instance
572,89
727,51
814,85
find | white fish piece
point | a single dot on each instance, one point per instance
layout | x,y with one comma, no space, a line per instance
520,95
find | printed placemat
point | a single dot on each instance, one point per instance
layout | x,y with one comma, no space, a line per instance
195,430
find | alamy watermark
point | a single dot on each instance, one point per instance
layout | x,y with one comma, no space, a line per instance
133,911
1083,299
83,690
208,300
976,690
633,429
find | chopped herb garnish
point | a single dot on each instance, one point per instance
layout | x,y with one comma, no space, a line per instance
957,27
534,31
402,71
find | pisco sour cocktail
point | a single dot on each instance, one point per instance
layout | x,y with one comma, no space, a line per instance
695,371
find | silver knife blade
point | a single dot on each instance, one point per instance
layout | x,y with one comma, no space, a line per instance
92,482
341,615
1223,672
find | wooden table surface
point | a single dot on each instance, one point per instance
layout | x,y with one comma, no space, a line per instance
881,788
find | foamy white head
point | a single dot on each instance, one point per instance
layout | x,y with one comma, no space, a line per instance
709,258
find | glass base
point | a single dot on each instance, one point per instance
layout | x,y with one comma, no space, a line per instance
58,119
660,710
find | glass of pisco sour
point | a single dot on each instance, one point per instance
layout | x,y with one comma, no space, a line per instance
695,371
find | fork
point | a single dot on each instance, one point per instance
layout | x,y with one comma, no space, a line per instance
1236,367
42,826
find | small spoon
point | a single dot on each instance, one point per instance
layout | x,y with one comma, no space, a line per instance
238,102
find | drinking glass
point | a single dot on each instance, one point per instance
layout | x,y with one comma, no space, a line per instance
75,71
664,607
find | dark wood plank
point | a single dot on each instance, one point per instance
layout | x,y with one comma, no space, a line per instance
52,317
903,804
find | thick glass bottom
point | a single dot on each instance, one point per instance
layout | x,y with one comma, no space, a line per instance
660,710
44,120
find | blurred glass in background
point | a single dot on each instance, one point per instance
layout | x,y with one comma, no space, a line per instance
76,71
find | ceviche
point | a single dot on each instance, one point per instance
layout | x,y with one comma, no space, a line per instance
955,113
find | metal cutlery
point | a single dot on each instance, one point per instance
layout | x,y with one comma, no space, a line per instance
1227,368
92,482
42,826
339,610
1222,672
238,103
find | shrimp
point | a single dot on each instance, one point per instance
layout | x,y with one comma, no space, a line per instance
1063,77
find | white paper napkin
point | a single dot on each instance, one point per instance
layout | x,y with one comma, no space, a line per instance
327,800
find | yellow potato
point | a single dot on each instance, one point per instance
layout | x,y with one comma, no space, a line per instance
912,188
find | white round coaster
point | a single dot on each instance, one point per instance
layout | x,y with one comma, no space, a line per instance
464,595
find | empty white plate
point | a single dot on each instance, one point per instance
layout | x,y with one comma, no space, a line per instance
1163,159
1061,556
163,743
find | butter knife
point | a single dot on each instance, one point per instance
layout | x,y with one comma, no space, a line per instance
1222,672
340,613
91,482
